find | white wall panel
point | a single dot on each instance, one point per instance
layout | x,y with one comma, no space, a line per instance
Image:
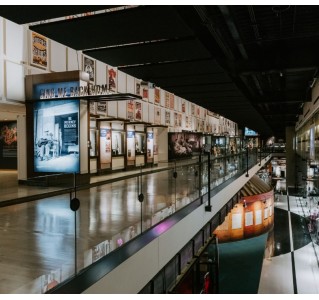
162,97
101,73
151,113
58,57
1,59
15,81
112,109
145,112
121,82
121,109
74,59
15,41
151,95
130,84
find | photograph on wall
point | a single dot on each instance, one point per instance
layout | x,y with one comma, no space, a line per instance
92,108
249,218
56,136
105,145
101,108
157,95
39,50
167,117
167,99
138,111
183,144
89,67
130,110
112,78
236,221
8,145
157,115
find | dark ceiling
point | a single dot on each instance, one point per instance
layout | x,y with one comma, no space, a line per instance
250,63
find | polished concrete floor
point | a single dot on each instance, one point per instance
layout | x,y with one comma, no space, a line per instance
291,264
38,238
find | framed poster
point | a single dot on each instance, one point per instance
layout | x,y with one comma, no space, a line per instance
167,117
175,119
157,115
138,111
137,87
171,101
130,110
112,75
88,66
193,109
8,145
179,116
56,136
39,50
101,107
258,217
186,122
92,108
167,99
183,106
157,93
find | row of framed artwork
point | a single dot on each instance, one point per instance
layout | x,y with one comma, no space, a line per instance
174,105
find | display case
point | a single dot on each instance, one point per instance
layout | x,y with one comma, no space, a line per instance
218,146
140,143
117,143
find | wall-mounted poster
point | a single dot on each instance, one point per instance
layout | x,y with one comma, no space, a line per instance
167,117
167,99
130,110
105,145
157,93
88,66
193,109
112,76
39,50
183,144
137,87
179,117
198,111
171,101
175,119
144,88
186,122
56,136
157,115
138,111
92,108
183,106
101,107
8,145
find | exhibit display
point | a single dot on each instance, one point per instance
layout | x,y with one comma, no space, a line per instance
56,136
8,145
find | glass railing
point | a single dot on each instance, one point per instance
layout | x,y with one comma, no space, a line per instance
47,241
